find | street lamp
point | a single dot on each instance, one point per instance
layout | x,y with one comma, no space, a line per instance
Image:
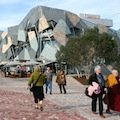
65,66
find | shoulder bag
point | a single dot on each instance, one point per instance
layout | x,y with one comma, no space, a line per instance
33,86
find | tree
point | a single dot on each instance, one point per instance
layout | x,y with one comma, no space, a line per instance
70,53
78,50
106,48
92,46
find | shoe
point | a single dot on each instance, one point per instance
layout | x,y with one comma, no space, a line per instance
94,112
108,112
41,108
102,116
50,93
36,107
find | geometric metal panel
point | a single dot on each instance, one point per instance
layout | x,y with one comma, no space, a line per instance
9,53
49,52
32,53
91,16
21,35
23,55
104,22
33,40
60,31
60,37
102,28
4,34
62,27
43,24
26,54
16,58
74,19
7,46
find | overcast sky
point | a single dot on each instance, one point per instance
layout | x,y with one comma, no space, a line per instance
13,11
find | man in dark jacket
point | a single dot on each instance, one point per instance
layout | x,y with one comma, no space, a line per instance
98,78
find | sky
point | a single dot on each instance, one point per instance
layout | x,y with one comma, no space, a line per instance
12,12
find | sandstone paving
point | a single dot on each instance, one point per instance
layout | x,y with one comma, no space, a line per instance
75,101
71,106
16,103
19,106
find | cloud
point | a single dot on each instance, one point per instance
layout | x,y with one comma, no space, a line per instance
107,9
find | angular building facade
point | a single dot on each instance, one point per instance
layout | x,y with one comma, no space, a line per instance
43,30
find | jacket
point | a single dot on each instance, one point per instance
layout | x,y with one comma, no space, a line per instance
93,78
111,80
48,75
34,78
61,79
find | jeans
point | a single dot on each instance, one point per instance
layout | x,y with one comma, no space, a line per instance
49,84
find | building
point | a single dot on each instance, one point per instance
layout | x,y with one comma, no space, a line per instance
43,30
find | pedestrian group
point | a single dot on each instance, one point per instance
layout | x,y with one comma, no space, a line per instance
101,89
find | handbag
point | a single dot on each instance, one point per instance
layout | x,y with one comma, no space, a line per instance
86,92
105,99
33,86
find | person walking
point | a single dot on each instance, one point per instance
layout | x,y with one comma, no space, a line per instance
61,80
98,78
49,75
37,80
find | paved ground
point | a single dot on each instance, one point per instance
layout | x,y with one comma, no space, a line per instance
19,106
76,102
16,103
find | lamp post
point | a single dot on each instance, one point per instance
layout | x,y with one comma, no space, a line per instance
56,67
65,66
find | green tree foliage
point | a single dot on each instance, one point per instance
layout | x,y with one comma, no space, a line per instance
83,49
117,63
71,52
106,48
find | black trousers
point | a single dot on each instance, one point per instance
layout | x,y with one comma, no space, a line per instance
62,86
38,93
100,103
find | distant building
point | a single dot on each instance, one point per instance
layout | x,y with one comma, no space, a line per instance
43,30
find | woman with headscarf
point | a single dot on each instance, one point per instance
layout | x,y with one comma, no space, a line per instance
113,94
37,79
